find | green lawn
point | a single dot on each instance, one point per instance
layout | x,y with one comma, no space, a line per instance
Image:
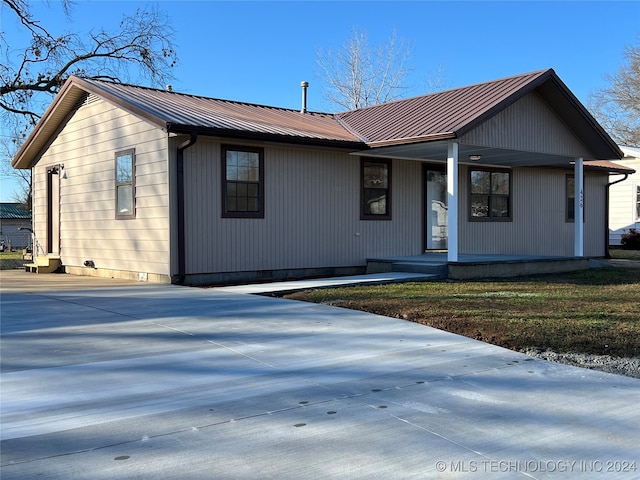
619,253
17,255
595,311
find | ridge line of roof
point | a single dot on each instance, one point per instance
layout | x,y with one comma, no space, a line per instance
197,96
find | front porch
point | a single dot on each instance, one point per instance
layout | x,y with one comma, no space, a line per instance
476,266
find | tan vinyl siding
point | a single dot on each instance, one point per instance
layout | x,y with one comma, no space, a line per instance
312,213
88,228
528,125
539,225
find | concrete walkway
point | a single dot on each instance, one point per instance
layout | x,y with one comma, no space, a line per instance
106,379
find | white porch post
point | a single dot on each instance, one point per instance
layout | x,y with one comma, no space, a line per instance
578,220
452,201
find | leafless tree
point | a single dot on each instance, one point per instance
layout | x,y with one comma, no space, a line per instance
31,74
617,107
359,75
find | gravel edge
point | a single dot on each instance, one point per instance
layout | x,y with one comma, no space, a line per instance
629,367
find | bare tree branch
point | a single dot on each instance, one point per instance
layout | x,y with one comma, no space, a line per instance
139,46
358,75
617,106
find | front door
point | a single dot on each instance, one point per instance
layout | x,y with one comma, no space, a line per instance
435,185
53,209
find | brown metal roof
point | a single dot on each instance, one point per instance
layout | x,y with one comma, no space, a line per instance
438,115
428,118
452,113
606,166
180,111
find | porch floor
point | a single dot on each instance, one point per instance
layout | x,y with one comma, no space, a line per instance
440,257
476,265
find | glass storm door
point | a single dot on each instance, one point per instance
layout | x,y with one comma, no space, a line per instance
436,209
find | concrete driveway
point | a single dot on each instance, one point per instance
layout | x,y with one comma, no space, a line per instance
104,379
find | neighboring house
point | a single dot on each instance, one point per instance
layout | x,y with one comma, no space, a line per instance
158,185
624,198
14,222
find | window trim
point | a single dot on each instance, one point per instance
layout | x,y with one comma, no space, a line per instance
636,202
376,216
122,153
240,214
470,195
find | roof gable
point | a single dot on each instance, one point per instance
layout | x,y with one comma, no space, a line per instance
444,114
453,113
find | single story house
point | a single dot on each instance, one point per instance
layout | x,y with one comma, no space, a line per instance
15,226
624,198
163,186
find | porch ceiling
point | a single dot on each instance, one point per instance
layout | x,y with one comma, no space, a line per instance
437,151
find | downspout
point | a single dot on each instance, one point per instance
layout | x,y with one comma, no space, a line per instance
179,280
606,215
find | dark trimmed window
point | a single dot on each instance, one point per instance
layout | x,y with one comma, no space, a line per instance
637,202
490,195
125,174
375,192
242,182
571,199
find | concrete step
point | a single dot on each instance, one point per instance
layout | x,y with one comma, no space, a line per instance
48,264
437,269
440,270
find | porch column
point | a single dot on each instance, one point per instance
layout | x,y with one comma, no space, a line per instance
578,220
452,201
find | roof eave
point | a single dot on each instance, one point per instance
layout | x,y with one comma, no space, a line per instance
610,167
262,136
405,141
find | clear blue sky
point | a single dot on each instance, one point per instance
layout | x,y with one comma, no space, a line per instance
260,51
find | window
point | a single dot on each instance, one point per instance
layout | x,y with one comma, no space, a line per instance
125,184
243,182
637,202
375,194
571,199
490,194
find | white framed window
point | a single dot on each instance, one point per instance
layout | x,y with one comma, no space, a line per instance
125,176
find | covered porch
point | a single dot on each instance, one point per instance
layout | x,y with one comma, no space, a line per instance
514,155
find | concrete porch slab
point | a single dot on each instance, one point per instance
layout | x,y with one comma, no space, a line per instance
477,266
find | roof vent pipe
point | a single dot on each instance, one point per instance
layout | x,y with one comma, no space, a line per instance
304,86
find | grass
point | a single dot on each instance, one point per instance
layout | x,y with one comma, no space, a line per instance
619,253
17,255
593,311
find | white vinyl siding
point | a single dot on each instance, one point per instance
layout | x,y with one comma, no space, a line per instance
88,227
623,198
